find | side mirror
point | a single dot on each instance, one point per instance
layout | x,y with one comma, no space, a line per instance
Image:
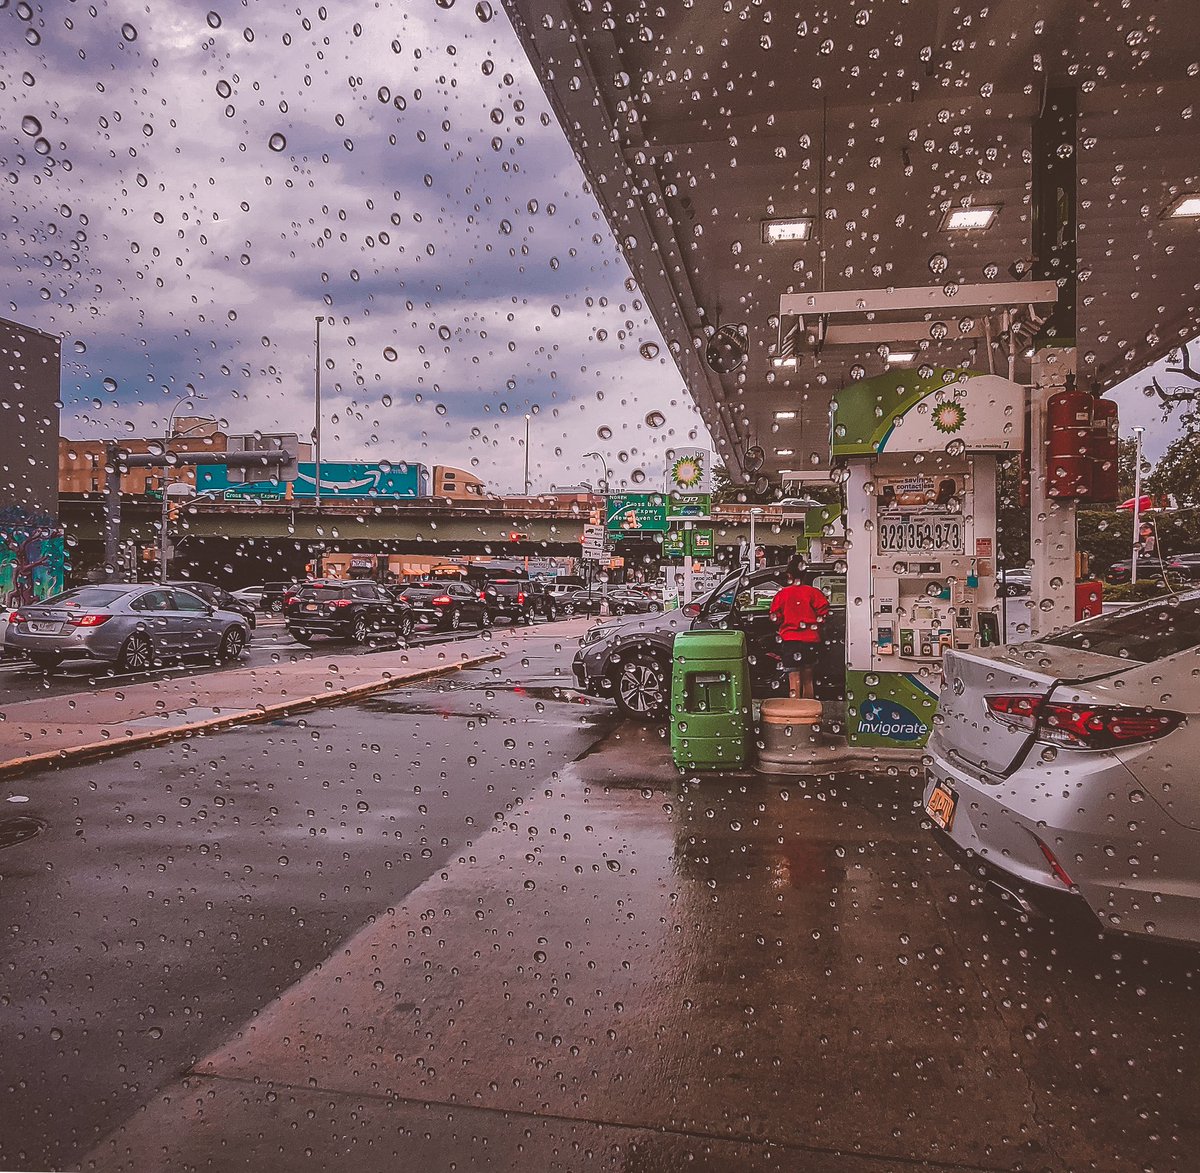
691,610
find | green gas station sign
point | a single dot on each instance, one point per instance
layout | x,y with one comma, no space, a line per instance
673,544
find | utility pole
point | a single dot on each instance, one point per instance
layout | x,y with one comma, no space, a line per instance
1137,501
317,423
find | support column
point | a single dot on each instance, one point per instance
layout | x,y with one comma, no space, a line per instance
112,512
1051,520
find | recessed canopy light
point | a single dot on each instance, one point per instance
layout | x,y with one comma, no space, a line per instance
969,219
780,231
784,452
1185,206
784,362
785,415
898,356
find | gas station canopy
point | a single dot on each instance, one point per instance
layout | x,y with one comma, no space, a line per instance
973,178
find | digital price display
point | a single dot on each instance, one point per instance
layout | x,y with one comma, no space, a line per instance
921,533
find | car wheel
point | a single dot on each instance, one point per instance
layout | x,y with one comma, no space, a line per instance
640,687
137,654
405,627
275,606
655,606
304,637
359,632
484,621
44,662
232,645
453,621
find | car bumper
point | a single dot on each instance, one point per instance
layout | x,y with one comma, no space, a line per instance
79,644
1087,809
316,625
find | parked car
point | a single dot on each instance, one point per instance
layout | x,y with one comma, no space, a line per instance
1059,769
564,584
221,599
357,611
1014,582
271,596
1180,570
251,595
619,600
540,600
629,660
131,625
449,604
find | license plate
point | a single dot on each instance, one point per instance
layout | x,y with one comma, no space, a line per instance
310,606
46,628
941,804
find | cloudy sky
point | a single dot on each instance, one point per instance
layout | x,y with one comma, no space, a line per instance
188,185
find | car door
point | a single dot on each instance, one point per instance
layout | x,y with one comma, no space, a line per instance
155,611
369,603
199,630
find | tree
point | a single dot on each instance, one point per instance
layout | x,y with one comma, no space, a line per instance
1178,473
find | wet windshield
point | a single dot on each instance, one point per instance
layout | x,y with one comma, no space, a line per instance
1142,634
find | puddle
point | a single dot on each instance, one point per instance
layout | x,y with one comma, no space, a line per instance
16,829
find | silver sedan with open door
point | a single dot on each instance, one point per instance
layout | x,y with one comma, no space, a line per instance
131,625
1063,771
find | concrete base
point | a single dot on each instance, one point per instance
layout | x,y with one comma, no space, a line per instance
793,737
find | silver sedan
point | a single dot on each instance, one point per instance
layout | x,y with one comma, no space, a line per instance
1063,771
133,626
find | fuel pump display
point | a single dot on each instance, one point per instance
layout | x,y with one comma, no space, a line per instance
920,456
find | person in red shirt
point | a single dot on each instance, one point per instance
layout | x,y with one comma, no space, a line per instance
800,610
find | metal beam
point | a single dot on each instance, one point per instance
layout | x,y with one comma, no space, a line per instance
265,459
921,297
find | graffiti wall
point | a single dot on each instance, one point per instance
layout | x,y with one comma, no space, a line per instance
32,563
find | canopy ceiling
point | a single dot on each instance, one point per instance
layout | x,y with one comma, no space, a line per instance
696,121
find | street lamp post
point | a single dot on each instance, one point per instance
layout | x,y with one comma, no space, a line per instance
165,481
527,454
1137,501
604,466
317,413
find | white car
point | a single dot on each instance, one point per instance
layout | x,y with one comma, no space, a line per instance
251,595
1061,771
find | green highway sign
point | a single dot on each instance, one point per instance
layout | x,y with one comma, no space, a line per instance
633,514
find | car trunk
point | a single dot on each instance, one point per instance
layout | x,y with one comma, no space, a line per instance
969,733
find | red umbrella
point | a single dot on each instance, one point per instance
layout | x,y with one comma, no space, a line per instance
1143,503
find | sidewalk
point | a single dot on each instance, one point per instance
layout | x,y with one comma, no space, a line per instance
51,731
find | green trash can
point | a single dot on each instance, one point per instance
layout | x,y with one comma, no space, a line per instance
710,700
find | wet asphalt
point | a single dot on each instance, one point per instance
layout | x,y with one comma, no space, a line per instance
482,923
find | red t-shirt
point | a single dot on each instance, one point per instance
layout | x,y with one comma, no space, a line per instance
800,609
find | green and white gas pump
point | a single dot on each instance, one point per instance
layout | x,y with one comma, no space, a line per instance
920,455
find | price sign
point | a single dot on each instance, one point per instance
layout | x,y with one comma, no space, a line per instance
917,533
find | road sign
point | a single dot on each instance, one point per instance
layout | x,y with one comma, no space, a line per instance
634,514
689,507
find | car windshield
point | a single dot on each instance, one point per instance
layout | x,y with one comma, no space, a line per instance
89,596
1165,627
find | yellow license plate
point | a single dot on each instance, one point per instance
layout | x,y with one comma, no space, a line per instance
940,807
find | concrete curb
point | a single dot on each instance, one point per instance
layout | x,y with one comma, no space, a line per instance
143,739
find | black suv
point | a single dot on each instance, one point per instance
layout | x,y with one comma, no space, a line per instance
629,660
508,598
445,602
357,611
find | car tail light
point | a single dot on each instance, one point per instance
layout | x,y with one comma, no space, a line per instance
16,617
342,602
401,598
88,620
1082,726
1057,868
1017,711
442,601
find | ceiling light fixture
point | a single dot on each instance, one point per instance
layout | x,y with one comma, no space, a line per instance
1185,207
785,415
973,219
899,356
782,231
785,452
784,362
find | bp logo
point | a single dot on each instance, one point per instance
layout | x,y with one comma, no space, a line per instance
948,416
688,472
